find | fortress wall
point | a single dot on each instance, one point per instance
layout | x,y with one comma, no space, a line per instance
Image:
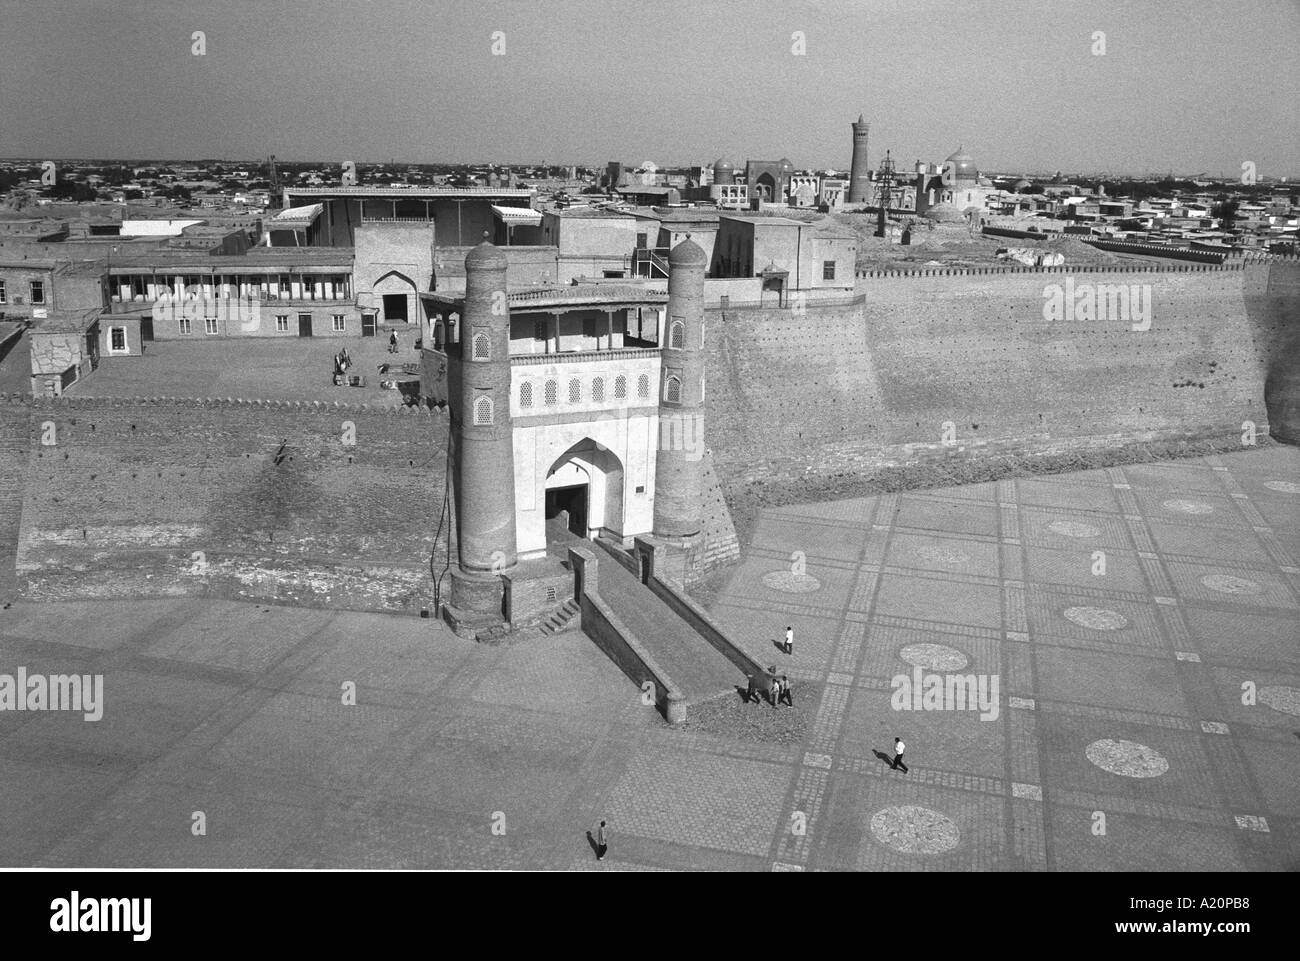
852,389
175,497
1273,305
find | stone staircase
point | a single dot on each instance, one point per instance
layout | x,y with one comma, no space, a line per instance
561,619
693,664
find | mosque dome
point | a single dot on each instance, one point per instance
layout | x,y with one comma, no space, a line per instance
721,164
963,165
945,213
786,165
1021,184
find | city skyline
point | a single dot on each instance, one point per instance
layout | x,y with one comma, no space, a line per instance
567,79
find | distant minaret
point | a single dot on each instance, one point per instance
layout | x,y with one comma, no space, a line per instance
859,181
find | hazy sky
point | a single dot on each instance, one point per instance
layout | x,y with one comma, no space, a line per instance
1192,85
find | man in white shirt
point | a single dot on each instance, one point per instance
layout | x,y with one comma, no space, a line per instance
789,640
898,755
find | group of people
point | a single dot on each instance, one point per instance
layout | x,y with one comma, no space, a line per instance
775,687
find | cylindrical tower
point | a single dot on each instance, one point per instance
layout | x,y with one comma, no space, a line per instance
859,173
484,445
679,461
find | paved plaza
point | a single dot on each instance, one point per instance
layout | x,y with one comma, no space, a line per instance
300,369
1140,622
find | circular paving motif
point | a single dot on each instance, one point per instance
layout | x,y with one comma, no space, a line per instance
790,582
1189,507
915,830
942,555
1227,584
935,657
1127,758
1286,487
1073,529
1284,699
1097,618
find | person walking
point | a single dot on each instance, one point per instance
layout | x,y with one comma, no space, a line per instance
602,840
899,746
392,341
789,640
785,690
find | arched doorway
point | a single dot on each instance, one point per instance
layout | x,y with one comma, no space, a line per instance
584,493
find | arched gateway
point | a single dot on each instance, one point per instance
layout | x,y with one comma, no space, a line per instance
575,412
585,485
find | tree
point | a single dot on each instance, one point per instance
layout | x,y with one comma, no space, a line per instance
74,190
1226,211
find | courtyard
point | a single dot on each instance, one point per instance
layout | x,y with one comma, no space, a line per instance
1141,622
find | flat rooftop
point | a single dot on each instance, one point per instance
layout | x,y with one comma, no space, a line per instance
409,192
560,295
262,368
758,219
284,258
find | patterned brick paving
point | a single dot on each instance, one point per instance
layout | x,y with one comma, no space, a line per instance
211,707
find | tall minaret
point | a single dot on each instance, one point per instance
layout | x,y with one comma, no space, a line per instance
483,442
679,464
859,182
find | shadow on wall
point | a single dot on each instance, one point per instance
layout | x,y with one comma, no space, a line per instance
1274,305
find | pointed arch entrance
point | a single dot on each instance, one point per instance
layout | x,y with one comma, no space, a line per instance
584,492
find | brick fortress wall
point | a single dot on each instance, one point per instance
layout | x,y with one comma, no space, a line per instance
230,499
849,390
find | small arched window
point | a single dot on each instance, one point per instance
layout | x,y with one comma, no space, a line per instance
482,347
438,333
552,393
575,391
526,394
598,390
677,335
643,386
620,387
483,411
673,390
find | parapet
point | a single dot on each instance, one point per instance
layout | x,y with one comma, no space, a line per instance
1063,269
210,403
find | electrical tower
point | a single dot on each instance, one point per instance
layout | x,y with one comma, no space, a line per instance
886,189
274,177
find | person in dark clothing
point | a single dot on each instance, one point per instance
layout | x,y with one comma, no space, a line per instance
392,342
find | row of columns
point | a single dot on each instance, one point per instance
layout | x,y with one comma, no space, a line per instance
262,286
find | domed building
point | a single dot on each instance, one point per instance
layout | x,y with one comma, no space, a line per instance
944,213
948,193
962,166
724,171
